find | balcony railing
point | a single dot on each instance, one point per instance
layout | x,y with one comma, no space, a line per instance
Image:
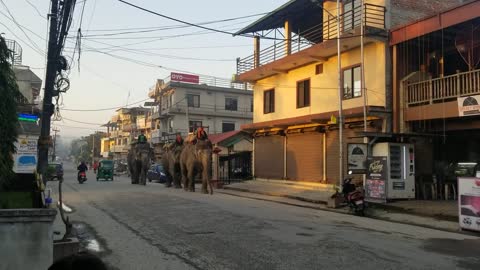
215,81
442,89
374,16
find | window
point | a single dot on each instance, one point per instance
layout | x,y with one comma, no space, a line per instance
352,14
193,100
251,105
352,83
231,104
303,93
319,69
269,101
193,125
228,126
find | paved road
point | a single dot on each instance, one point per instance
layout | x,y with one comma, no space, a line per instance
152,227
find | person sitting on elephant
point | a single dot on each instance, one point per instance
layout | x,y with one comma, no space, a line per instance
201,134
142,138
179,140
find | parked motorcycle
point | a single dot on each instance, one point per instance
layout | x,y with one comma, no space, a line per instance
353,197
82,177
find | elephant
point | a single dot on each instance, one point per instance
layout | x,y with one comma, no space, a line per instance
196,157
131,165
171,163
140,156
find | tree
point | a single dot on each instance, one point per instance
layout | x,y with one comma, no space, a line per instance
9,95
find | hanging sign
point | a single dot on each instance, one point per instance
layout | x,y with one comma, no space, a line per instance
469,105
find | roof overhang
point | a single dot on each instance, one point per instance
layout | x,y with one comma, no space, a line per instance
302,15
444,19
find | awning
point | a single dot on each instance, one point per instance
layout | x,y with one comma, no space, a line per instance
302,15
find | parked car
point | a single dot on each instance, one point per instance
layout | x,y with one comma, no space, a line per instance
156,172
55,170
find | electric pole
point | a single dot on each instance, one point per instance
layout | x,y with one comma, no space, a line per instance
47,108
55,130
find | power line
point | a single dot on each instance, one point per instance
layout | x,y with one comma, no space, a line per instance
80,122
26,43
103,109
38,11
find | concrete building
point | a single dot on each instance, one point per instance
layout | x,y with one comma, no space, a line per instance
187,101
296,82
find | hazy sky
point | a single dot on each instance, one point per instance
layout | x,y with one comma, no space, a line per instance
105,81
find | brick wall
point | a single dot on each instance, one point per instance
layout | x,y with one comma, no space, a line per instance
405,11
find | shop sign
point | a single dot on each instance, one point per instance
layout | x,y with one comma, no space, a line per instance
25,159
469,203
357,157
375,184
180,77
469,105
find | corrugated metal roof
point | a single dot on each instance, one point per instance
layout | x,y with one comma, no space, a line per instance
302,14
218,138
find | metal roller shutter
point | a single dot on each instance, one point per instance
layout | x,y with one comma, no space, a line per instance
305,156
269,157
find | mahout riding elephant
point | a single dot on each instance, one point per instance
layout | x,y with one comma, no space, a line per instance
139,162
196,157
171,162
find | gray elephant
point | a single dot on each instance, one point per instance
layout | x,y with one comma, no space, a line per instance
139,160
171,162
196,157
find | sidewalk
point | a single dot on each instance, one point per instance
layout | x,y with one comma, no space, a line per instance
441,215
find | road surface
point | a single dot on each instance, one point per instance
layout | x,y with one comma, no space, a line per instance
152,227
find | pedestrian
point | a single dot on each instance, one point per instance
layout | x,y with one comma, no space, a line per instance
79,261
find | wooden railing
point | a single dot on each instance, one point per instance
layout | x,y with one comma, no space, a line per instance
442,89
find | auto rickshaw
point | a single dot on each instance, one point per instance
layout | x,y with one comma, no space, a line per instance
105,170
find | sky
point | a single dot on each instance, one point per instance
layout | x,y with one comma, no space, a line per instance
104,81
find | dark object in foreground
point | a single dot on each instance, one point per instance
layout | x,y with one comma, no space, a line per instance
79,261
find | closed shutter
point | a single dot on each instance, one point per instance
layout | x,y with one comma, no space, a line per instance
269,157
305,156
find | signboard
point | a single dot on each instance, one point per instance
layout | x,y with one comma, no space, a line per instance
357,157
375,184
468,105
469,203
180,77
25,159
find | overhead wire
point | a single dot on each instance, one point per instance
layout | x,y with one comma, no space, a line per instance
35,7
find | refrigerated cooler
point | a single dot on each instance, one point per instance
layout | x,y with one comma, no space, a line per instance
400,176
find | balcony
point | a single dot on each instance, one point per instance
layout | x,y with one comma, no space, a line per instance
314,44
437,98
208,110
443,89
119,149
129,127
205,81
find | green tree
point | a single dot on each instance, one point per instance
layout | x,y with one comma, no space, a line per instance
9,94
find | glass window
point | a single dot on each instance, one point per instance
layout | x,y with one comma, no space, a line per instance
269,101
351,14
193,100
251,105
193,125
226,127
352,83
231,104
303,93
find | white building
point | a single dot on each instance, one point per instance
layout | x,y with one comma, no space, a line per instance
188,101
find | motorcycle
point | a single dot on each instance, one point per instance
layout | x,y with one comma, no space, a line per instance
82,177
353,197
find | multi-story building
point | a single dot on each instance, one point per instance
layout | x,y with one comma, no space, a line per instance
188,101
299,86
436,70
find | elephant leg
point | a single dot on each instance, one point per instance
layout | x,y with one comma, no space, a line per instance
204,183
191,180
184,177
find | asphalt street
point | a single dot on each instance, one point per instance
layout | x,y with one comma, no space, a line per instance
153,227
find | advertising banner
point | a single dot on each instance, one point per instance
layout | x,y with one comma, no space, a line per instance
25,159
375,185
469,203
357,157
180,77
469,105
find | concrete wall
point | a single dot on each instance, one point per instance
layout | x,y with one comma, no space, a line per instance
324,87
26,238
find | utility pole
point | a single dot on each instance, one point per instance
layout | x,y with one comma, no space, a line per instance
55,130
47,109
340,99
93,147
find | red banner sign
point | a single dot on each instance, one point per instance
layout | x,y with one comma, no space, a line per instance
180,77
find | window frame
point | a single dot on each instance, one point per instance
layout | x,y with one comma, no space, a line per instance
271,107
193,100
191,127
305,104
228,123
351,70
236,104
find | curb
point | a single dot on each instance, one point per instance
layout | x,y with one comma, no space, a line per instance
324,208
276,195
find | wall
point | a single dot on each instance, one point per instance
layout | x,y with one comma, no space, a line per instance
324,87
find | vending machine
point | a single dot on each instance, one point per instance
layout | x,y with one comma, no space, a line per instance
400,176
